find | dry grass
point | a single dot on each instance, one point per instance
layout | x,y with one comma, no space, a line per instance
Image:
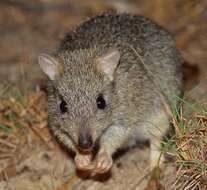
189,146
22,122
191,158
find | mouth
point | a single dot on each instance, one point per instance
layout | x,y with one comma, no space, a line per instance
93,150
85,151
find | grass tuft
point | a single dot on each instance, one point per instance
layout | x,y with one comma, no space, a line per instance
189,146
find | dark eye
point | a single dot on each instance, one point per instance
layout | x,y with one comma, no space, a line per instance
63,107
101,103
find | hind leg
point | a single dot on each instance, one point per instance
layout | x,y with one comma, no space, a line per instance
156,156
157,131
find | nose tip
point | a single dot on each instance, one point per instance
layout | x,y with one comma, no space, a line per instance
85,141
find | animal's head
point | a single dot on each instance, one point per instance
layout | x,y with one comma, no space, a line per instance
81,101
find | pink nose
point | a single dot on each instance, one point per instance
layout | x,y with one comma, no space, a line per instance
85,141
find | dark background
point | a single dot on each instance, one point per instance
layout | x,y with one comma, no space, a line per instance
31,27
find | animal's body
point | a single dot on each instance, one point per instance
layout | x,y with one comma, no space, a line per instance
110,81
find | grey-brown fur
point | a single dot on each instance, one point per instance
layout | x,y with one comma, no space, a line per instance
149,67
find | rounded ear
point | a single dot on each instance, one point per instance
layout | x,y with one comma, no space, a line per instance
108,63
49,65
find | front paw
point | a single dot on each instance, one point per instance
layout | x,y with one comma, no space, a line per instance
104,162
83,162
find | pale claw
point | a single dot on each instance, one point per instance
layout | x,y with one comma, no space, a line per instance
83,162
104,162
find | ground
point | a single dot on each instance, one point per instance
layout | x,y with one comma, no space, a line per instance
29,156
